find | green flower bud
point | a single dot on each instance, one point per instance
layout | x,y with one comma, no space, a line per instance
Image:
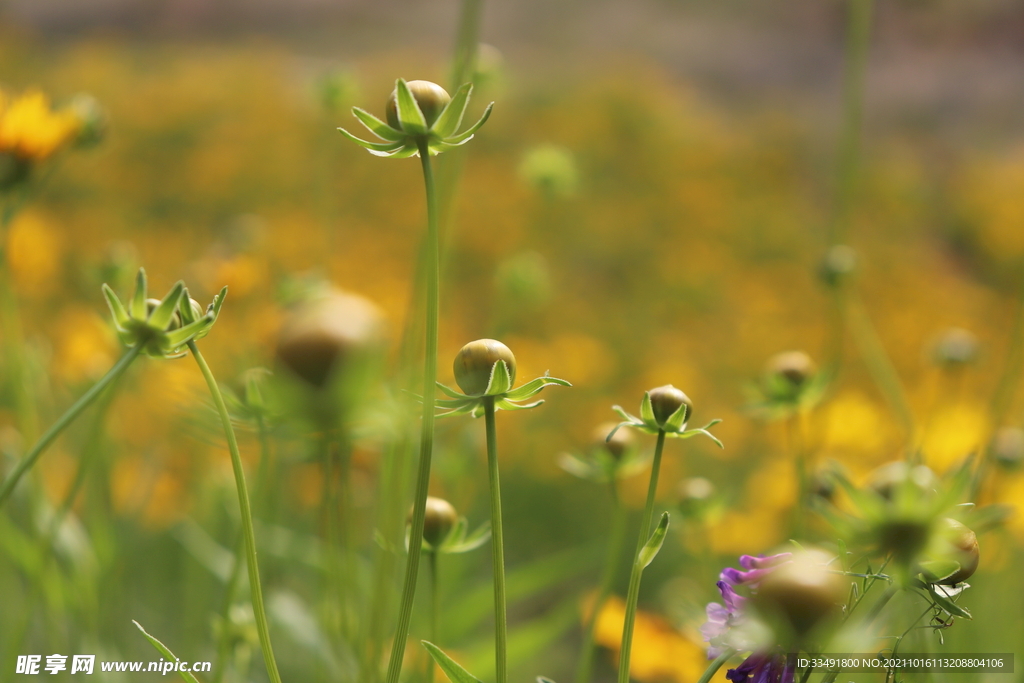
838,264
622,440
802,595
792,367
667,400
958,543
955,347
321,336
431,98
475,362
1007,447
175,322
438,520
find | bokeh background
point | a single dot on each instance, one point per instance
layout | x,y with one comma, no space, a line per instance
648,204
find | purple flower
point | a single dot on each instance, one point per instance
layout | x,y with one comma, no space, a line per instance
773,667
759,667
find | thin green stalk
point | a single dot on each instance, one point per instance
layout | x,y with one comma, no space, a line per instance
497,547
427,430
633,595
259,611
435,613
858,36
26,463
618,537
466,39
714,666
879,365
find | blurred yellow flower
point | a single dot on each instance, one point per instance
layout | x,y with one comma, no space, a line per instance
660,652
31,129
953,434
33,253
85,348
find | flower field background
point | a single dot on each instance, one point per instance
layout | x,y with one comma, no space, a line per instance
614,223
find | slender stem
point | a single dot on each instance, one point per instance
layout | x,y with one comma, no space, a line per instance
466,39
618,537
879,365
858,35
714,666
259,611
497,547
435,612
26,463
427,431
634,577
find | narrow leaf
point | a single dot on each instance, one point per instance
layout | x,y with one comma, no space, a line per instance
116,309
654,543
500,381
410,118
139,297
463,137
948,605
448,122
372,146
647,410
454,672
166,653
162,314
377,127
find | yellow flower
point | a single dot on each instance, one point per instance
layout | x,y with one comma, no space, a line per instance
31,129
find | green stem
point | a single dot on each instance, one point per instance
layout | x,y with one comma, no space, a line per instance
26,463
259,611
714,666
858,35
497,547
633,594
879,365
427,430
466,39
435,613
618,537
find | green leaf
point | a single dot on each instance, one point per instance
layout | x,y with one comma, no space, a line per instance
481,535
626,417
504,404
534,386
167,654
464,137
677,419
654,543
377,127
372,146
500,382
138,305
410,118
218,301
185,334
161,316
947,604
448,391
185,308
690,433
454,672
116,309
541,679
647,411
448,122
844,561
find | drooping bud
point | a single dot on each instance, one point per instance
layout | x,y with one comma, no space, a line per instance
431,98
667,400
475,363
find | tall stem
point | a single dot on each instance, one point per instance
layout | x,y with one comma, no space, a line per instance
259,611
435,612
497,547
427,432
26,463
618,537
634,577
714,666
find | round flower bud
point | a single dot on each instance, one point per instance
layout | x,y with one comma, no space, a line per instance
438,520
475,362
617,446
838,264
322,335
1007,447
955,347
792,367
962,546
666,400
802,594
887,479
431,98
